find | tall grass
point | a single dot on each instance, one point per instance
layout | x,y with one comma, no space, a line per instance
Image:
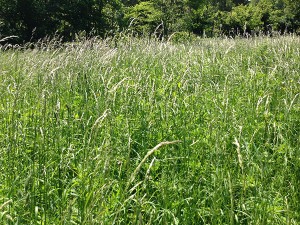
145,132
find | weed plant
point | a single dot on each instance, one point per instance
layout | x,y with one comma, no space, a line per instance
139,131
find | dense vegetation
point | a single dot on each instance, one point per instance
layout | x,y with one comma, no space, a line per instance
135,131
35,19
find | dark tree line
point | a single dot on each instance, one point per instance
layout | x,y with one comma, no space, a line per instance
35,19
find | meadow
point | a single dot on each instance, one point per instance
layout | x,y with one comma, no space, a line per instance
139,131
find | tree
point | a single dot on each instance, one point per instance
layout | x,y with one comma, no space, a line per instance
34,19
203,20
143,17
292,7
238,20
8,18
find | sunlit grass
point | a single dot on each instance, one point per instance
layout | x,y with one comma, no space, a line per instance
79,123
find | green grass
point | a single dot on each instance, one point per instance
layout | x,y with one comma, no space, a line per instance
151,133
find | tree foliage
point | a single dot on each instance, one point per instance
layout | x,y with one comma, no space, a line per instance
144,17
34,19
